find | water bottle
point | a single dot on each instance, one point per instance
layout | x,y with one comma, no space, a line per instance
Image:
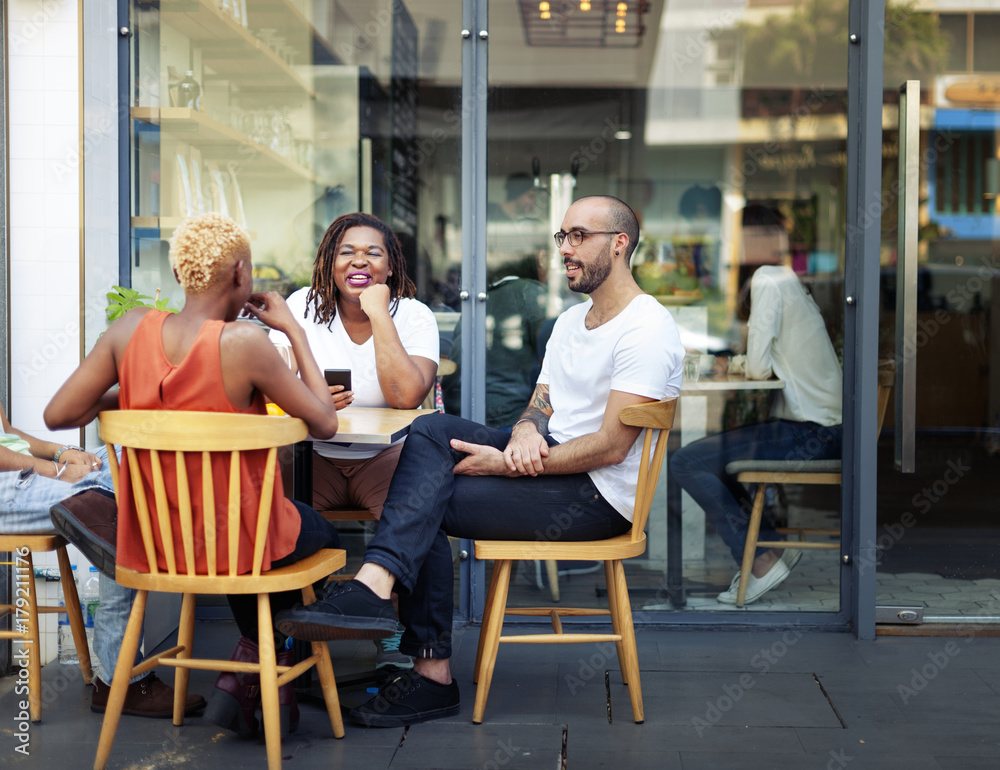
67,646
89,600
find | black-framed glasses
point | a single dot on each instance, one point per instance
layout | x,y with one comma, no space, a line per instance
575,237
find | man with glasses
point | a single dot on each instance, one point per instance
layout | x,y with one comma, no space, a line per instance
566,472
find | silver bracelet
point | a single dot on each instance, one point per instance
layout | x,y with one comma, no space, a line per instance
59,470
523,419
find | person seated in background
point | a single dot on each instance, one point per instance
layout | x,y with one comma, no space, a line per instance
36,475
359,314
201,359
786,338
515,312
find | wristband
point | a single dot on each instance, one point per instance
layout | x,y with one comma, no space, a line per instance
59,469
66,448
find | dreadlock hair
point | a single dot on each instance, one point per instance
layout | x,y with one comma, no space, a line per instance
323,291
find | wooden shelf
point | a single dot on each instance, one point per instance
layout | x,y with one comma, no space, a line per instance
202,131
285,16
228,48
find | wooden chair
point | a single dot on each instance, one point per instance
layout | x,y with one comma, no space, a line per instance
24,623
184,434
770,472
657,418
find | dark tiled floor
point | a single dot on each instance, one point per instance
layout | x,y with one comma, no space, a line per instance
713,700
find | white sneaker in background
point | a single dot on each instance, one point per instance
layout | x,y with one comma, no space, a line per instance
756,587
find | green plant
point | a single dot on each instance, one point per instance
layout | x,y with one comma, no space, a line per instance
122,299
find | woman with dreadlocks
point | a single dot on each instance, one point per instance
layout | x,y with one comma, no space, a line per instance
360,314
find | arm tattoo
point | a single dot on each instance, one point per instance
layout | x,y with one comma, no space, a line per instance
539,410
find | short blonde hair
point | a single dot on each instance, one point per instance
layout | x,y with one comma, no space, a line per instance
204,247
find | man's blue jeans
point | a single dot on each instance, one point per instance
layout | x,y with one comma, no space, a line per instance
427,502
700,469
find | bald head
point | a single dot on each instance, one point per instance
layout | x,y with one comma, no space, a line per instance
618,218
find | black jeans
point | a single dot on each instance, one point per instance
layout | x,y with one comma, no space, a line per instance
315,534
427,502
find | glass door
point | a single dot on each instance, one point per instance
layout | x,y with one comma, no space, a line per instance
723,124
937,542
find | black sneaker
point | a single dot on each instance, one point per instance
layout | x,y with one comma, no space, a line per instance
350,610
407,699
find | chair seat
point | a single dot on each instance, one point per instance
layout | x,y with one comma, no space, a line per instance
620,547
783,466
290,578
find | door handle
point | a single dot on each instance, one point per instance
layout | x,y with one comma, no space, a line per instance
906,275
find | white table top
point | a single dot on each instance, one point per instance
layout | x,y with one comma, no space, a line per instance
725,381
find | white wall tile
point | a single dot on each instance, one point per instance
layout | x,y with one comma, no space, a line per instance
26,108
61,38
28,244
25,73
60,73
26,175
60,108
26,141
27,209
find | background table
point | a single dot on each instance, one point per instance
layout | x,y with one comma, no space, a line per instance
712,383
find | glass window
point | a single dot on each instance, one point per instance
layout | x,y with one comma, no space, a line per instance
985,35
284,115
729,142
955,27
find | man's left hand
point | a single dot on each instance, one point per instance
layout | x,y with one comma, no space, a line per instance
481,461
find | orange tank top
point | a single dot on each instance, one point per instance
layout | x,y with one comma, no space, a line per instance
147,380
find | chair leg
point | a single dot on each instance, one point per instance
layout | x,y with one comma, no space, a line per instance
268,682
119,683
185,637
34,659
72,600
750,548
552,569
628,644
609,580
324,670
492,626
494,574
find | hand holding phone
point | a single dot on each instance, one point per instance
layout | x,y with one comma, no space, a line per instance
338,377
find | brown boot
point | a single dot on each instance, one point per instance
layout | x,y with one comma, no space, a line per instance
149,697
237,695
288,703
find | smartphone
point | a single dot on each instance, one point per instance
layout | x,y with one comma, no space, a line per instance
338,377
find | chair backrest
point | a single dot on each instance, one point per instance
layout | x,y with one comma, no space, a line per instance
657,417
207,436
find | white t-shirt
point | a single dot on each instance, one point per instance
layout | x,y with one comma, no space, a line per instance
787,337
334,349
638,351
